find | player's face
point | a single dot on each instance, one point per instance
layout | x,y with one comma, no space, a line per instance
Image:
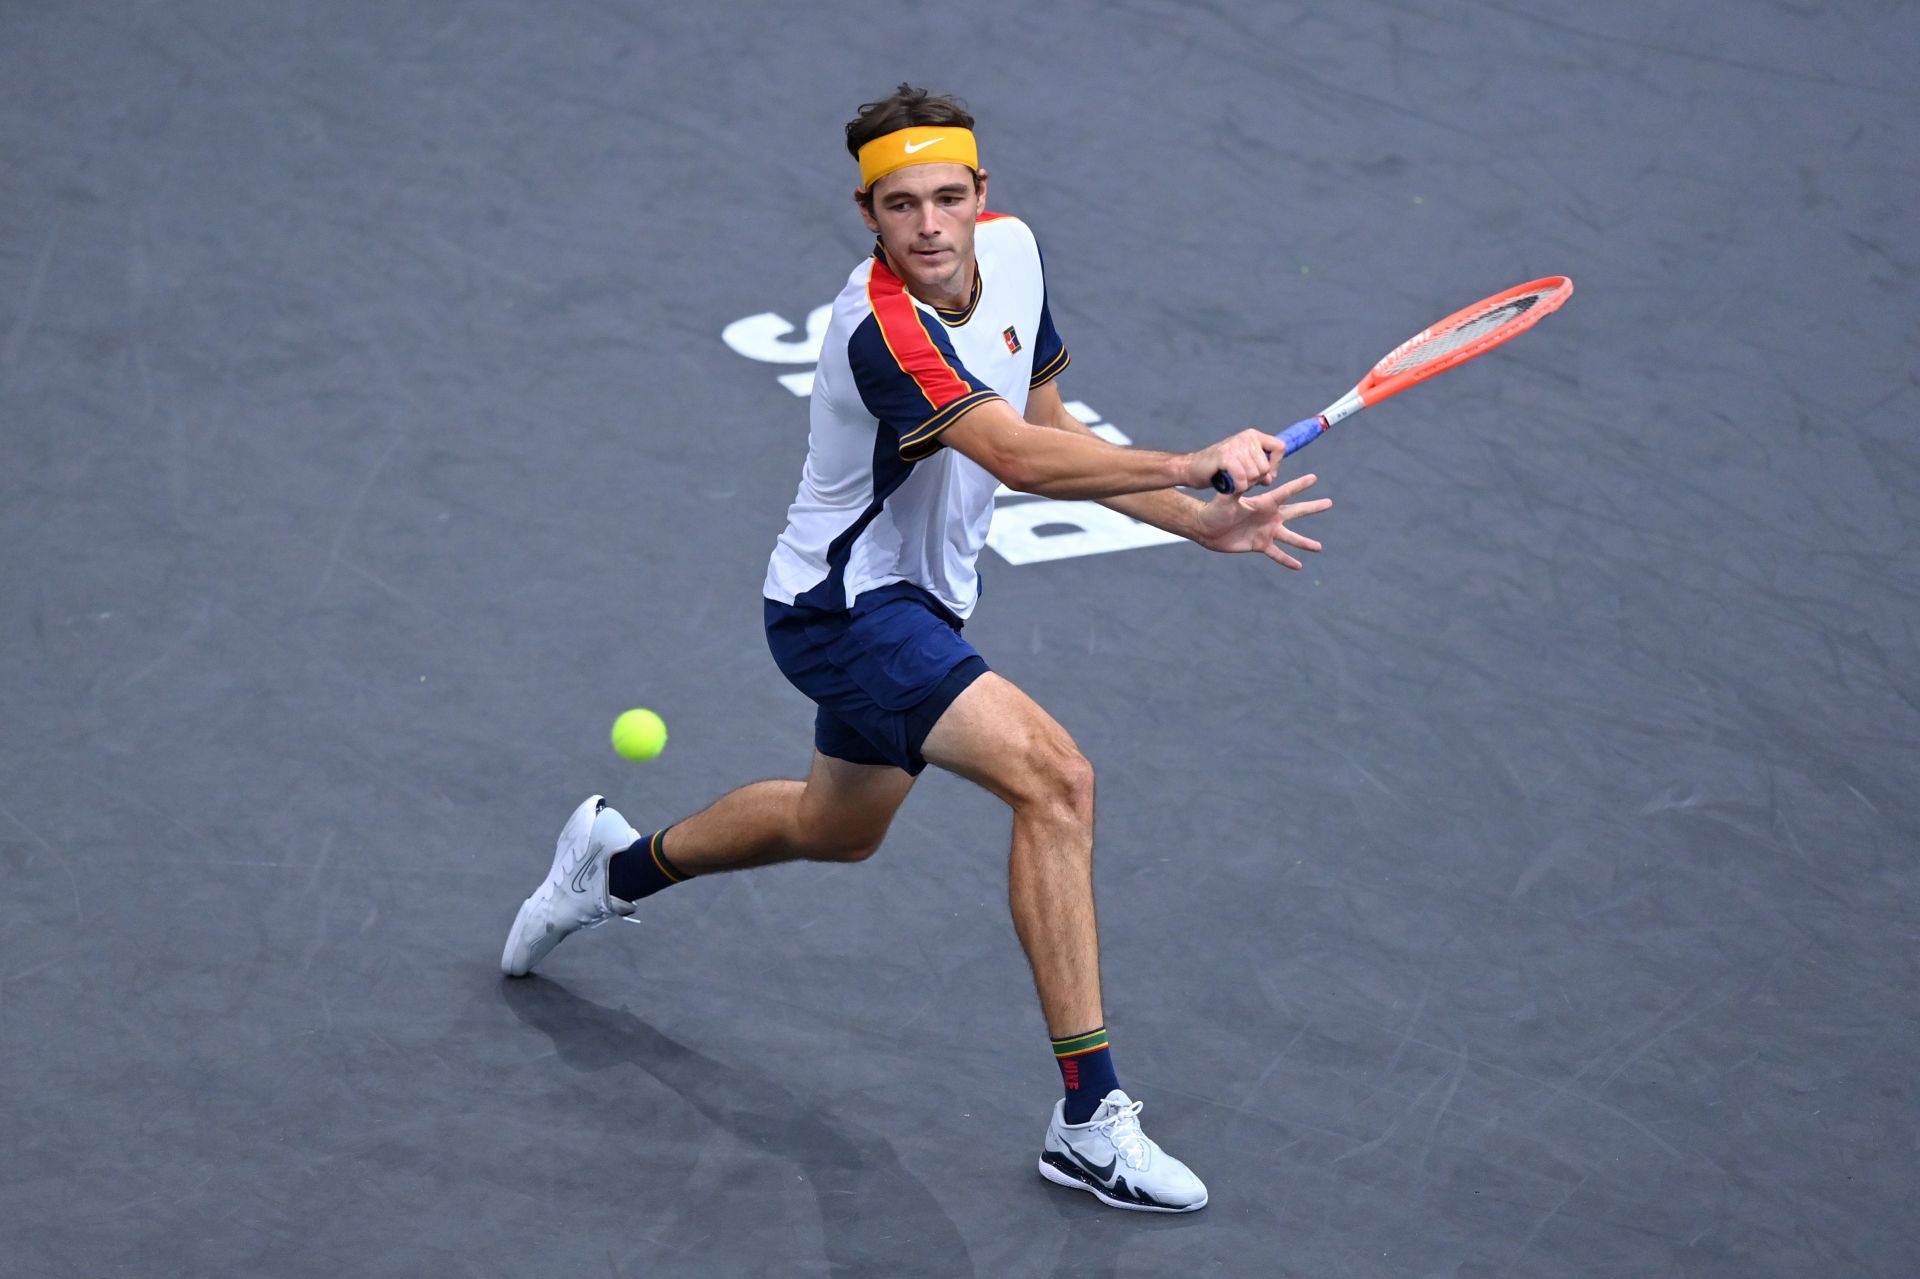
924,215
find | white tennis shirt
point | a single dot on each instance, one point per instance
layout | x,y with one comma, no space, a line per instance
881,500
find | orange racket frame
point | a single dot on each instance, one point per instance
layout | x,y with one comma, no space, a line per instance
1470,331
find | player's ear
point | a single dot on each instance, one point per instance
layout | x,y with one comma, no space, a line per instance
980,193
864,199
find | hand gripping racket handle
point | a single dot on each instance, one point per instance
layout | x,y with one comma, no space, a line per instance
1295,437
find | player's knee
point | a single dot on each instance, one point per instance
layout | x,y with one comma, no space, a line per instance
1060,780
1076,783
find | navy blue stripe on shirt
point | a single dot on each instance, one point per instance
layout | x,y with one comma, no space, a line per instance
1049,352
897,398
890,471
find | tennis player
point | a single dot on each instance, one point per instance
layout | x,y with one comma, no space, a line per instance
938,380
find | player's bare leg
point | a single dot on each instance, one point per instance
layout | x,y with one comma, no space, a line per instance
997,736
839,814
601,865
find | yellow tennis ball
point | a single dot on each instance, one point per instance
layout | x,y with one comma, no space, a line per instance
639,734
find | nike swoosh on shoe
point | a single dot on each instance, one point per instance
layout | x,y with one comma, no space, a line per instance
579,872
1105,1175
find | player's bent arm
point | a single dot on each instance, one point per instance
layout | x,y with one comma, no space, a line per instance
1167,509
1068,464
1063,464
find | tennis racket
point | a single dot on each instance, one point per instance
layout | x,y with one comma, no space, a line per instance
1453,341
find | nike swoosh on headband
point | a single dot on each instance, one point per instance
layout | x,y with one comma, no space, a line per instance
912,147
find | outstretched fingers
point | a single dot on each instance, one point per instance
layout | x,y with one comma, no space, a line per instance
1280,499
1292,538
1281,558
1279,513
1297,485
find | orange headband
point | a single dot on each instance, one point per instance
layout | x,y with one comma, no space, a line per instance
946,144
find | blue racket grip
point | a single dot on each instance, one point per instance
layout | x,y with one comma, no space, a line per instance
1295,437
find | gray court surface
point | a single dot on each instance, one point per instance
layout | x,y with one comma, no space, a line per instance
1527,888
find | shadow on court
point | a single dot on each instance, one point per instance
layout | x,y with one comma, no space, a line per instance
877,1217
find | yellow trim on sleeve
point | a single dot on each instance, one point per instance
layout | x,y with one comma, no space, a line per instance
1055,367
920,442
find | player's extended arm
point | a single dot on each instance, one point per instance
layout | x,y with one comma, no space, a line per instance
1068,464
1219,524
1167,508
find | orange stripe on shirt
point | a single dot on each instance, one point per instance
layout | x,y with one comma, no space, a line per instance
907,340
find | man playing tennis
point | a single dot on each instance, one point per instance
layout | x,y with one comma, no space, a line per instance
936,382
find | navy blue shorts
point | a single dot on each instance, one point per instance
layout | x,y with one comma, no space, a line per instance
882,674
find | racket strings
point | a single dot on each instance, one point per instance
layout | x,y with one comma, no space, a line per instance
1433,345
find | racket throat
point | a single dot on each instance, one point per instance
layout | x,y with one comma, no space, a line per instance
1343,408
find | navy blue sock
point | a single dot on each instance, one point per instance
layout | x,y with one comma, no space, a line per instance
1086,1068
642,870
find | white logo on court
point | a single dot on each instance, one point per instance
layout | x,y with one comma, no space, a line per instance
922,146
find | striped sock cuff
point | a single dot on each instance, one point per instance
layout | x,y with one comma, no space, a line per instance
657,849
1078,1045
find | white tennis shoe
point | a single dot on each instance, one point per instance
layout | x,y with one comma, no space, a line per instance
574,895
1111,1159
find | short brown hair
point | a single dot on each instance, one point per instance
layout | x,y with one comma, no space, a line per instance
906,108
